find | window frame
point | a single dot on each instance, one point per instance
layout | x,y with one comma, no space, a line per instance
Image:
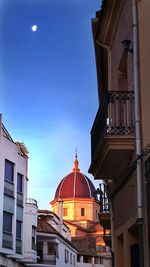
70,258
74,260
66,256
53,248
19,190
9,163
82,212
19,237
33,237
5,223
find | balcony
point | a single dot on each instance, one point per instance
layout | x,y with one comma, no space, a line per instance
104,213
112,135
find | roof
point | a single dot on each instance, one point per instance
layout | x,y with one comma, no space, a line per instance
44,227
48,213
85,246
22,150
6,133
75,185
89,229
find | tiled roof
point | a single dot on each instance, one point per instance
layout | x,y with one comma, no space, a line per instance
75,185
90,229
45,227
85,246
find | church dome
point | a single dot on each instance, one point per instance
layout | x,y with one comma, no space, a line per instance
75,185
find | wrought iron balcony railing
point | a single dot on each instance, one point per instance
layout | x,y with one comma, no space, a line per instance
102,198
115,116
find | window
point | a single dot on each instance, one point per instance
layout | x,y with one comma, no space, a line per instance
78,258
70,258
9,170
51,248
65,211
33,238
19,182
18,229
7,222
57,251
82,211
40,252
74,261
18,237
87,259
66,256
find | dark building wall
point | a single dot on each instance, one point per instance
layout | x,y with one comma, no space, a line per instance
124,203
122,31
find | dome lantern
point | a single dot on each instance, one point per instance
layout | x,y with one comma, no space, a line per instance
76,163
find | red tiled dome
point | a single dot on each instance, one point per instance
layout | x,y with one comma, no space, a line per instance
75,184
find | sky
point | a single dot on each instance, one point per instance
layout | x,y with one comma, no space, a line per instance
48,86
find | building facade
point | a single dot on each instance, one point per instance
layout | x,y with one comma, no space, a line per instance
120,135
18,214
54,247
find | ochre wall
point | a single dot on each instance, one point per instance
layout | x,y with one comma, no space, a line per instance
74,209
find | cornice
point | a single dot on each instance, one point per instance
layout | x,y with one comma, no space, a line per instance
106,23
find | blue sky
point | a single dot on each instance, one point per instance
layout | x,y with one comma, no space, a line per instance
48,85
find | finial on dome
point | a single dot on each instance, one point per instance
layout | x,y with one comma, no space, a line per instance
76,163
76,156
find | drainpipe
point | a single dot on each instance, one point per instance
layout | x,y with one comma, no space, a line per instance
138,130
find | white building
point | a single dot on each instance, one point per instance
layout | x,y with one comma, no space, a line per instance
18,215
54,248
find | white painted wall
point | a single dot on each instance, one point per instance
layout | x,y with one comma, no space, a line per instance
9,150
62,246
30,255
